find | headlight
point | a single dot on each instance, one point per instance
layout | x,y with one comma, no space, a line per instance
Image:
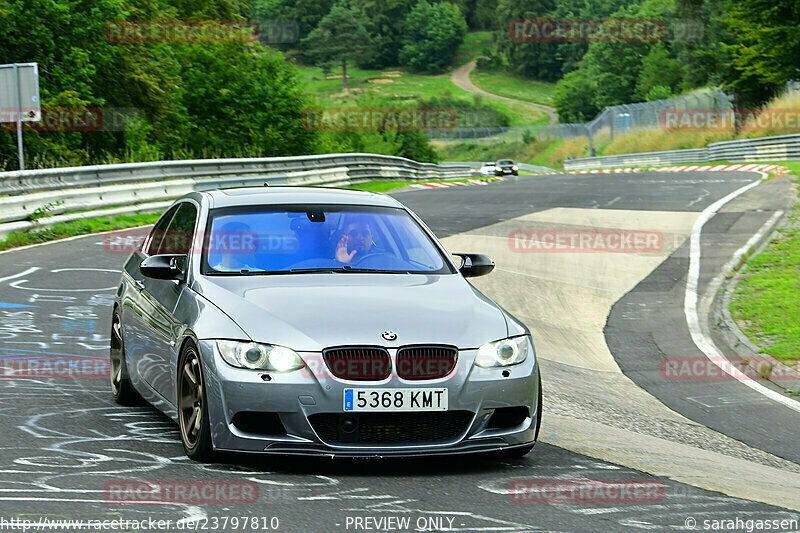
506,352
259,356
514,167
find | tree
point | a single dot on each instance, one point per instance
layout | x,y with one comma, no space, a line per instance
432,34
534,60
658,92
384,22
547,61
615,68
575,97
340,37
252,101
307,13
658,69
191,99
765,54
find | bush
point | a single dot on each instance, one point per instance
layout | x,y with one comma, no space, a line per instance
574,97
658,92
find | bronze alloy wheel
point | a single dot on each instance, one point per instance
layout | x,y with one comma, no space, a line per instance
192,409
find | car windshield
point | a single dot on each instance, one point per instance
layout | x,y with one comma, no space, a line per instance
328,239
505,162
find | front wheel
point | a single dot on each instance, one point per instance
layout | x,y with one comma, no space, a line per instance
192,407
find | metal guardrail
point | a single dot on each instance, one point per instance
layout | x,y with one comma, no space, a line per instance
780,148
360,165
144,187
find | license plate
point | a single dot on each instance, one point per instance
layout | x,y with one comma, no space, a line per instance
388,400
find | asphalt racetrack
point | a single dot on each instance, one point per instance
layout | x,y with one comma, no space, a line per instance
601,321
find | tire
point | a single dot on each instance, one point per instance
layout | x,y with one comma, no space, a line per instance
121,387
193,405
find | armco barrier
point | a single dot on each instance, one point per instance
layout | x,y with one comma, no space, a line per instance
143,187
26,181
781,148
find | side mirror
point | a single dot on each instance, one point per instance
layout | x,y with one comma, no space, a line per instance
474,265
165,267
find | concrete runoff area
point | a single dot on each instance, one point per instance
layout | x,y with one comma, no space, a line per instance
565,298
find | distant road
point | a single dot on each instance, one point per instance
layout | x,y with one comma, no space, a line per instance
460,77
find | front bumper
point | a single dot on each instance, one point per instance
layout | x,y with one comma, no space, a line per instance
296,396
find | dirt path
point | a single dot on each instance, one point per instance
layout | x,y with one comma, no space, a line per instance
460,77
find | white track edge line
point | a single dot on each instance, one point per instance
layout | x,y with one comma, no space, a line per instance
699,337
31,270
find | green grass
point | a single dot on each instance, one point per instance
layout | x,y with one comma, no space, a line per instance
391,85
548,153
765,302
505,84
518,114
475,44
397,87
379,186
75,228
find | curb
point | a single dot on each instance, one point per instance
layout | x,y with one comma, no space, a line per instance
728,330
698,308
445,184
743,167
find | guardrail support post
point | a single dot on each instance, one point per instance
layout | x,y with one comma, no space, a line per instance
591,142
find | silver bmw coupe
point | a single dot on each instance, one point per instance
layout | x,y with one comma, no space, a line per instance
319,321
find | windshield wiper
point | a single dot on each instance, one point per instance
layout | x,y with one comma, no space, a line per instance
379,271
344,269
323,270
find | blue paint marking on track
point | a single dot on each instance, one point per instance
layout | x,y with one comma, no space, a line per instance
13,306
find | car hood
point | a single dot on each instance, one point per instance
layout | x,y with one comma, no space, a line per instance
309,312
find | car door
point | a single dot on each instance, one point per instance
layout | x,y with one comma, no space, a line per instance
162,297
137,310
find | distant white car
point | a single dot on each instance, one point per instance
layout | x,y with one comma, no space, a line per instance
488,169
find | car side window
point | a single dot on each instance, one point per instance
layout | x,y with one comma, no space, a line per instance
157,235
180,234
